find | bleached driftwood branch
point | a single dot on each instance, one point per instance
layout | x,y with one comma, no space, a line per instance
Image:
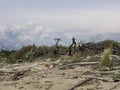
12,70
80,83
80,63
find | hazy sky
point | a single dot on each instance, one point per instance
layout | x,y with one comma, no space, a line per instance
25,21
92,15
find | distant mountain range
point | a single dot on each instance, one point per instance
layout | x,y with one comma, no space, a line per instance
4,44
16,36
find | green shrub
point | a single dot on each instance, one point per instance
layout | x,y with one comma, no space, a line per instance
105,60
11,61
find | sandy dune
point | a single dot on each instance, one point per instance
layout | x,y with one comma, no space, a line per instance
42,77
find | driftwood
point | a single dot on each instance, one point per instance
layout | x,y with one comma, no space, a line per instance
14,70
18,75
89,78
80,63
18,69
80,83
93,77
114,86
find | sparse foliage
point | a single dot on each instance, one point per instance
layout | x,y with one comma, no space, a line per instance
105,58
32,52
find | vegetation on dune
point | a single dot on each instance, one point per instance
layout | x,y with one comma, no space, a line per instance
105,57
31,52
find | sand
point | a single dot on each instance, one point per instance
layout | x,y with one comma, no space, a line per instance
44,77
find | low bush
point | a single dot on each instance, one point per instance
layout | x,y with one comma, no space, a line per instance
105,60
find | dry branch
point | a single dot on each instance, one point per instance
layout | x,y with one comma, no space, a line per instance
80,63
12,70
93,77
114,86
80,83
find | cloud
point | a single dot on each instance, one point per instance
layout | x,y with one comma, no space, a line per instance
19,35
100,18
62,19
63,16
94,21
24,34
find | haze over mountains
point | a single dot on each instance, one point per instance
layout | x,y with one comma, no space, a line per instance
16,36
24,22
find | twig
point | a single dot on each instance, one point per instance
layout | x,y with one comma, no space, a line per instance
80,63
114,86
14,70
80,83
93,77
